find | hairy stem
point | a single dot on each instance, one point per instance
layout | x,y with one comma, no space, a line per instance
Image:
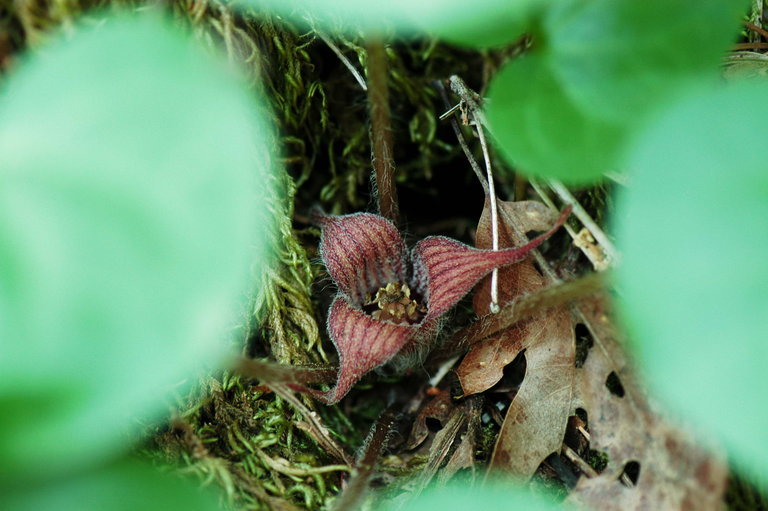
372,450
381,132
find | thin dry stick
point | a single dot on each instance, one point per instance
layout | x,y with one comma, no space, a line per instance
757,29
271,372
468,96
457,130
750,46
344,60
530,304
381,131
584,217
582,465
536,253
316,428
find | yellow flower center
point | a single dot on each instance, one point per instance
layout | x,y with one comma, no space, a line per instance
394,303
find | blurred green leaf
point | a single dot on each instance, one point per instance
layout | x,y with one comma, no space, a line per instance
692,228
620,58
492,497
542,131
598,71
132,171
480,23
127,486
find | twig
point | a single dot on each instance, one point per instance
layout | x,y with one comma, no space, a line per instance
750,46
343,58
463,143
316,428
381,132
763,32
580,213
528,305
577,460
444,368
468,96
281,465
270,372
372,450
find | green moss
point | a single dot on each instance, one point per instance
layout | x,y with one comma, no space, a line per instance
597,460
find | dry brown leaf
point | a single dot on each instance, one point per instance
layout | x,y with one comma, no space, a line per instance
484,364
535,422
442,445
534,425
438,408
464,455
674,471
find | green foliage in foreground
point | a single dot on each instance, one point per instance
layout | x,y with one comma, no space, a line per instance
496,496
124,486
694,275
131,216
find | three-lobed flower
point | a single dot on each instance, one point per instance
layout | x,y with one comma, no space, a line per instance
389,300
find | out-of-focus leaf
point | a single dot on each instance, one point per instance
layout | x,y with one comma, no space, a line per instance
692,227
671,469
480,23
542,131
598,69
133,172
127,486
490,497
619,58
535,421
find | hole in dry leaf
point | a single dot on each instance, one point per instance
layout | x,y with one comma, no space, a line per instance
630,474
613,383
555,467
584,343
576,432
434,425
513,375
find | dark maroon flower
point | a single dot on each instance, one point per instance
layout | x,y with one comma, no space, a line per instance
390,300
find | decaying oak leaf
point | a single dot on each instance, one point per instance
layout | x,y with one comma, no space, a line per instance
674,471
535,422
484,364
454,443
463,458
439,408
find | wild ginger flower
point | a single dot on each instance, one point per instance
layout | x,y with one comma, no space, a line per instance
390,300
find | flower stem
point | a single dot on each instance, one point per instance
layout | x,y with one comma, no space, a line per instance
374,447
381,132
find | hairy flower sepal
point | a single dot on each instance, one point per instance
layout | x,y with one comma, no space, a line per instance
390,300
